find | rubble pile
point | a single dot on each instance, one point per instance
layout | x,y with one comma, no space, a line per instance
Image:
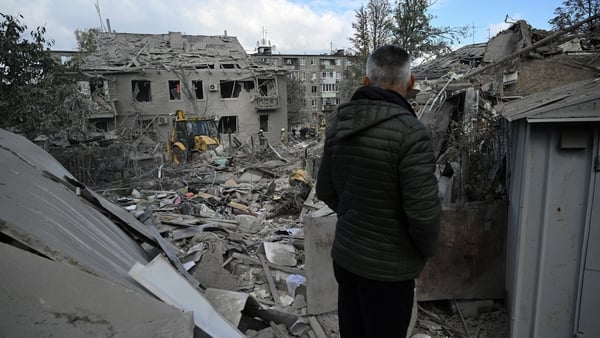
235,224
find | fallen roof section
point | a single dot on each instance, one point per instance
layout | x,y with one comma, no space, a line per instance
45,215
68,302
574,102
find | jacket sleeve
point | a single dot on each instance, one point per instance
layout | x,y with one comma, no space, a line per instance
325,189
419,189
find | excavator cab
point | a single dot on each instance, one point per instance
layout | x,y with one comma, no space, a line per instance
191,136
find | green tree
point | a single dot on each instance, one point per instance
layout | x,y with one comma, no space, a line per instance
295,102
38,96
413,31
574,11
86,41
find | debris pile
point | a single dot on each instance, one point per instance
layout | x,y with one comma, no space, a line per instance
460,97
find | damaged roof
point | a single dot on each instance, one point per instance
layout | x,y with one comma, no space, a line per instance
506,46
574,102
124,52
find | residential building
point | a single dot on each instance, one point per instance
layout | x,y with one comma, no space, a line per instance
321,76
141,80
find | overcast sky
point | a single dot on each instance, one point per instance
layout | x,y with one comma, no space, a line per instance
293,26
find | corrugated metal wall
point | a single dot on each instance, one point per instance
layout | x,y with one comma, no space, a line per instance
551,190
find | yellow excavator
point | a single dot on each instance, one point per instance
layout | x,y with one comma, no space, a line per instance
191,136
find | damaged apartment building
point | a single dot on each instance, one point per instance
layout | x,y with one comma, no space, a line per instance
139,81
321,77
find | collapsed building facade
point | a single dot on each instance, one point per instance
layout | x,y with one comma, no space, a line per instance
139,81
516,119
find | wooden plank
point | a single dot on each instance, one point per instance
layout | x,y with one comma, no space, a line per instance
269,276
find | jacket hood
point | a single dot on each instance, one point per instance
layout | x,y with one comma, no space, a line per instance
369,106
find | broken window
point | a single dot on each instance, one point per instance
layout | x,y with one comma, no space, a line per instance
229,66
140,90
205,66
267,87
198,89
64,59
99,88
232,89
101,125
84,87
228,125
174,90
264,122
313,89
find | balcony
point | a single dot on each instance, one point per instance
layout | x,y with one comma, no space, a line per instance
266,102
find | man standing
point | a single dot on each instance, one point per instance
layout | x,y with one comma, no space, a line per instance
377,174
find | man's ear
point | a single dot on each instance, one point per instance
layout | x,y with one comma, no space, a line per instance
411,82
366,81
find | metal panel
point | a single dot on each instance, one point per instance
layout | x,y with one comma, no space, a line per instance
592,260
548,234
54,220
42,298
517,161
589,325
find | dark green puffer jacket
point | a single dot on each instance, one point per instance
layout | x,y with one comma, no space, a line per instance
377,174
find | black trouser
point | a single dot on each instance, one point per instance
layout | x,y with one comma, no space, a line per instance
372,309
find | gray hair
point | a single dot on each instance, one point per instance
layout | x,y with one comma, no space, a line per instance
388,66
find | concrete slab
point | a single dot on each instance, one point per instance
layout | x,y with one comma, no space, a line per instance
42,298
161,278
321,287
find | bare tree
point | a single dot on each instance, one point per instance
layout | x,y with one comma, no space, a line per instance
360,39
372,29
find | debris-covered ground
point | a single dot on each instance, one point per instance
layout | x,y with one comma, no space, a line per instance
235,216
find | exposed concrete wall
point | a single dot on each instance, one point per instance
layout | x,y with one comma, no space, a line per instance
212,104
537,75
